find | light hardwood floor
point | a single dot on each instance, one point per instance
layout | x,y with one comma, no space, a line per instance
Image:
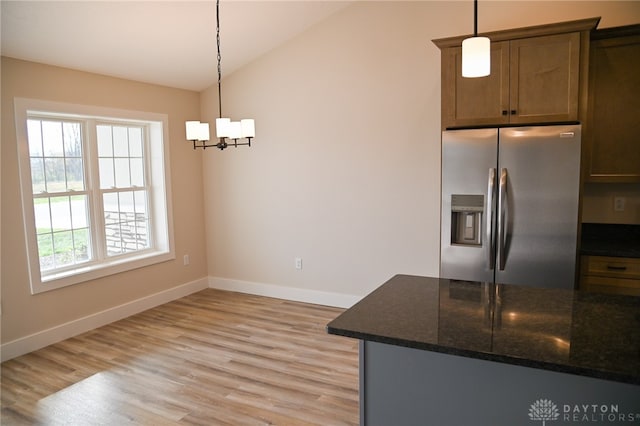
213,357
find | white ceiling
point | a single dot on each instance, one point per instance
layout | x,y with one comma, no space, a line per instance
171,43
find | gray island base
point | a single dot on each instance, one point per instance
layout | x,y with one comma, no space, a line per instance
443,352
406,386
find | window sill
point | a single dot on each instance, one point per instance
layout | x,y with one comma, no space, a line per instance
95,271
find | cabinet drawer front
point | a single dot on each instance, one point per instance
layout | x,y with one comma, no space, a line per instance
610,285
611,266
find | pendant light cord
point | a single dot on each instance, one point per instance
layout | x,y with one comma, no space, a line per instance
475,18
219,58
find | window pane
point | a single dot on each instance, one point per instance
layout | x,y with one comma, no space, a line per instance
111,210
120,142
52,138
126,203
45,251
42,214
105,145
37,175
137,172
135,142
55,174
63,248
81,244
123,179
112,224
79,212
142,219
34,135
114,242
107,179
75,178
60,213
72,139
140,198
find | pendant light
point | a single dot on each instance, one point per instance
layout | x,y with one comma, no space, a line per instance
198,132
476,51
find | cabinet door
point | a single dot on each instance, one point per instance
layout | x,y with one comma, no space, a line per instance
468,102
614,108
544,78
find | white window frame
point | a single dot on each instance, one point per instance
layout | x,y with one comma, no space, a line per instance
159,196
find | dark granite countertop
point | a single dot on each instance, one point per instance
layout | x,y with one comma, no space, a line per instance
601,239
568,331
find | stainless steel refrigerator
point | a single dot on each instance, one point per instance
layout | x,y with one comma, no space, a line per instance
510,205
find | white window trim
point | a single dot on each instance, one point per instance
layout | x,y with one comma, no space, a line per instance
159,171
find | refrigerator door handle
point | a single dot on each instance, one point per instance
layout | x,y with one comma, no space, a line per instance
491,241
502,219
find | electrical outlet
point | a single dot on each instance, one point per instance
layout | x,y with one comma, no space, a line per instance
619,203
185,260
298,263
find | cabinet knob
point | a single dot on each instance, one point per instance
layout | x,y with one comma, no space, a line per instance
504,112
513,112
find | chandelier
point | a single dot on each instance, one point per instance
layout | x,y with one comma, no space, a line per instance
227,132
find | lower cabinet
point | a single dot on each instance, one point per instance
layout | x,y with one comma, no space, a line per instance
616,275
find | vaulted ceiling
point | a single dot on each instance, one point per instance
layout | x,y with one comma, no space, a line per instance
171,43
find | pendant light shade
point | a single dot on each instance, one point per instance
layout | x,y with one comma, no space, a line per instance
476,57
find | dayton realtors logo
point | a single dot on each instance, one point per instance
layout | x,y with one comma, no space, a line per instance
546,410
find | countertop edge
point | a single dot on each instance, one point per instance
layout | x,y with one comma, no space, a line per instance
523,362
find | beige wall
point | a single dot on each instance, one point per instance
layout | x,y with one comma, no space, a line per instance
24,314
598,203
345,169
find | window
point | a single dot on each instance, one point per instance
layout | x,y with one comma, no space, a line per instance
95,190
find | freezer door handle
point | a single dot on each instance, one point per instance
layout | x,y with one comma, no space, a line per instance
502,218
491,241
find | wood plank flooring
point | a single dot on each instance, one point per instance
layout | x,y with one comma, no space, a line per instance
211,358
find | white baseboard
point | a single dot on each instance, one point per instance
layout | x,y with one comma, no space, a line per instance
317,297
73,328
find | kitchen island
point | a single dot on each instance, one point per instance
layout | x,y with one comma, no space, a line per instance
445,352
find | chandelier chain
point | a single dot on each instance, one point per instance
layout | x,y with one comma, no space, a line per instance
219,58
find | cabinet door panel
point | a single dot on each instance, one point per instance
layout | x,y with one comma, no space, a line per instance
544,78
475,101
614,106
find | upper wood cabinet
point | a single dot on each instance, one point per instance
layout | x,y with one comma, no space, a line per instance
613,125
535,77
